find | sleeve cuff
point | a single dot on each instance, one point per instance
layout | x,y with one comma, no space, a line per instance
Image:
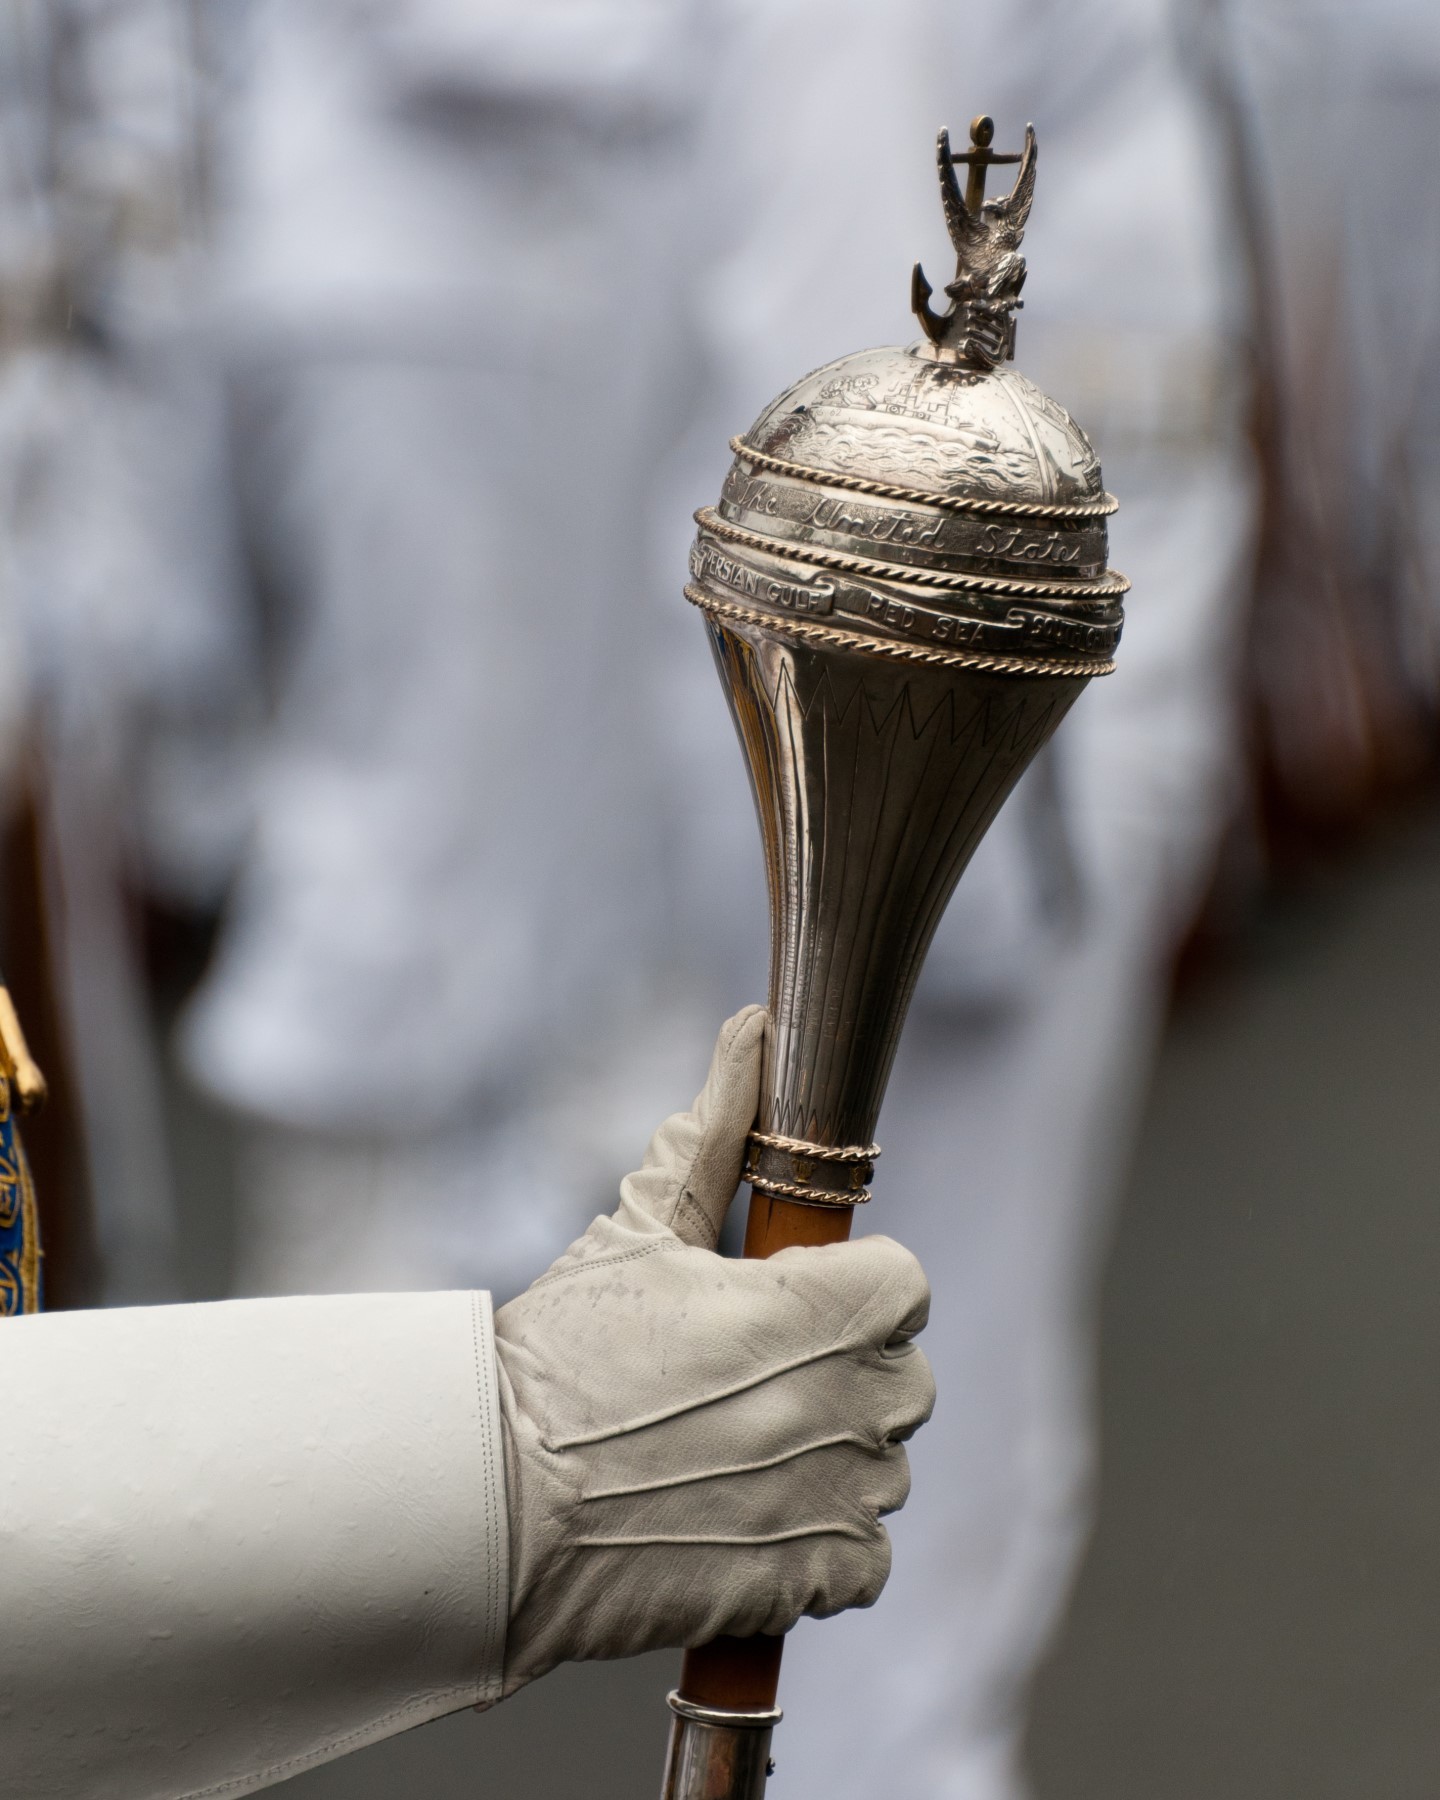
248,1537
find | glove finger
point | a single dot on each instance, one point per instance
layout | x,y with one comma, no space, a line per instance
768,1588
870,1291
891,1487
855,1574
835,1574
914,1397
712,1590
692,1167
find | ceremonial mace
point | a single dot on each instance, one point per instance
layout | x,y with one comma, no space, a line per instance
905,585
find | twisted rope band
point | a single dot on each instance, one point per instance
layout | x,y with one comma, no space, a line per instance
1102,508
1113,587
807,1196
839,1153
859,1159
878,646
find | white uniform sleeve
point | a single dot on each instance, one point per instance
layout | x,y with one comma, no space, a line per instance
240,1539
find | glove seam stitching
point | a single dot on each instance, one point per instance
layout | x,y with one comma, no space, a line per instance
792,1534
485,1683
840,1347
722,1473
601,1262
729,1035
334,1747
689,1205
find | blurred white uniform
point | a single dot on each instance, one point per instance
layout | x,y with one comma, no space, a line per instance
482,279
131,663
444,234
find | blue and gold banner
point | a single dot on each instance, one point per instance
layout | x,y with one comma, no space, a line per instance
19,1226
22,1087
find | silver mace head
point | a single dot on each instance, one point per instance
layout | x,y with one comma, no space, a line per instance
906,587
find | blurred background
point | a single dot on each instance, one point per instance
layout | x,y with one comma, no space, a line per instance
376,862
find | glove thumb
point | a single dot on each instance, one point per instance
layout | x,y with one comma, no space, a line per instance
692,1166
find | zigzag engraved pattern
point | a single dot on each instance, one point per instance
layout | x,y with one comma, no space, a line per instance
873,784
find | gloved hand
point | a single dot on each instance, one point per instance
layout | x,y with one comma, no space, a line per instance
697,1445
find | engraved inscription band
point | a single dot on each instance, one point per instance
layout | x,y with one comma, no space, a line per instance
807,631
1111,586
928,538
980,622
800,593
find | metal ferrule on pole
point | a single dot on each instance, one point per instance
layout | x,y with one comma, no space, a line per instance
717,1753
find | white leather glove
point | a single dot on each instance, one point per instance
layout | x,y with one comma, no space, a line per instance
697,1445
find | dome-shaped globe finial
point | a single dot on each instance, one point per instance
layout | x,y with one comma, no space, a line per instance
979,327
